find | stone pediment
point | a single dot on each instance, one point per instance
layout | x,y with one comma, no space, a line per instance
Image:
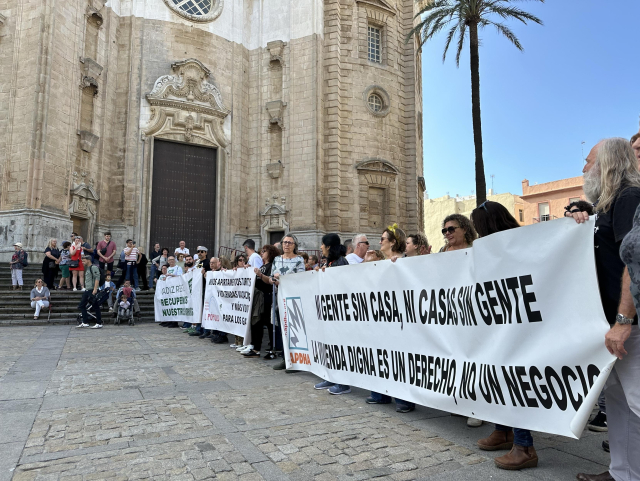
274,209
86,192
379,4
188,89
377,166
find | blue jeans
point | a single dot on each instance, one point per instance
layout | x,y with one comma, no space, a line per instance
521,437
153,276
383,398
132,274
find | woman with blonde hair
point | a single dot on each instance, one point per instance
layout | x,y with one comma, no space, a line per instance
50,263
40,296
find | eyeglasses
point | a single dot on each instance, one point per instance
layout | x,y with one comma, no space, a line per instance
451,229
363,242
382,239
288,243
202,252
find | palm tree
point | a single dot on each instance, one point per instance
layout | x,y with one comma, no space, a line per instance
467,16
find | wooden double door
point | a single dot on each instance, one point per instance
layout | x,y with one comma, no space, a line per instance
183,201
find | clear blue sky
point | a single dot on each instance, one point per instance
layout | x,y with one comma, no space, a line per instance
578,79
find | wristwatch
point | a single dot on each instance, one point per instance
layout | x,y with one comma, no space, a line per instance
620,319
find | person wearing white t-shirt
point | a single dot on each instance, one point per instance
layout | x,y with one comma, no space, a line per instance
360,246
173,270
132,257
182,249
255,260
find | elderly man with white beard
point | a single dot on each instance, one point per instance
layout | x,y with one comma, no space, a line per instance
612,183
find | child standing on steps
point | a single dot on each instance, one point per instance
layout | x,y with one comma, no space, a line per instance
65,257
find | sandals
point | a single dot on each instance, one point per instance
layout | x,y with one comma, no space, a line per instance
35,318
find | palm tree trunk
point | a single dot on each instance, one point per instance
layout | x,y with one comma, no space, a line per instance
481,185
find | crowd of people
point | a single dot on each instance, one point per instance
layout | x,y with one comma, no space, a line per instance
612,187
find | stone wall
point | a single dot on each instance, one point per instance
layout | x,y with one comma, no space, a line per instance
298,151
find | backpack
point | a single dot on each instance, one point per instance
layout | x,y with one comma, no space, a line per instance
103,276
25,259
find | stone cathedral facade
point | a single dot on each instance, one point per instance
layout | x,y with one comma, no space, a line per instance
207,120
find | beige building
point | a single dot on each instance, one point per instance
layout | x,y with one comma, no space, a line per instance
207,120
435,210
543,202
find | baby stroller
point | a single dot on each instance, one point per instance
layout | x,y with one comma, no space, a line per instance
124,314
99,299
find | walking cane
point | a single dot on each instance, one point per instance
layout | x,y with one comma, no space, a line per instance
273,317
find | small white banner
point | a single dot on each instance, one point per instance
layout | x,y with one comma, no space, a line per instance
510,331
179,299
227,301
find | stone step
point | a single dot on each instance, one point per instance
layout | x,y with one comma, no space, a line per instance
72,320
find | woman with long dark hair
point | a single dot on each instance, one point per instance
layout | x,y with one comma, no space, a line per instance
334,255
333,251
489,218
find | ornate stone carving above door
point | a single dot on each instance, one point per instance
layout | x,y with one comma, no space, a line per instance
84,201
186,107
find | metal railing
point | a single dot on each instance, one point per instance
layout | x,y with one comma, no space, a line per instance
229,252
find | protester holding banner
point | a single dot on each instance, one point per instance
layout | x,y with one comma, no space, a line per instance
393,244
287,263
268,254
612,182
458,232
417,245
334,253
489,218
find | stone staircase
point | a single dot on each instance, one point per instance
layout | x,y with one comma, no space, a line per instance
15,306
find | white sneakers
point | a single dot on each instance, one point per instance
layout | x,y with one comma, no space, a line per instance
82,324
82,290
474,423
97,326
244,349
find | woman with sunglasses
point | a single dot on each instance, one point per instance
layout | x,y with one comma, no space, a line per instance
459,233
287,263
489,218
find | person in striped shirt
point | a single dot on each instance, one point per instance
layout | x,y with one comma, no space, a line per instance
131,258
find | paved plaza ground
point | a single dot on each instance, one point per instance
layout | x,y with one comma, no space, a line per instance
147,402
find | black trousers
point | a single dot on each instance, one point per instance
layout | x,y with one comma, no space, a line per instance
123,275
85,304
257,329
109,266
142,275
49,276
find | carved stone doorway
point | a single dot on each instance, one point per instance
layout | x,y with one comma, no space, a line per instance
81,227
183,205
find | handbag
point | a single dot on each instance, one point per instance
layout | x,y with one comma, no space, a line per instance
74,264
52,264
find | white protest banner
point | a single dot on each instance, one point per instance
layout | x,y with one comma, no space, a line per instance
510,331
227,301
179,298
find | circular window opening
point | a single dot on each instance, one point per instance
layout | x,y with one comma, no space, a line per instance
375,102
